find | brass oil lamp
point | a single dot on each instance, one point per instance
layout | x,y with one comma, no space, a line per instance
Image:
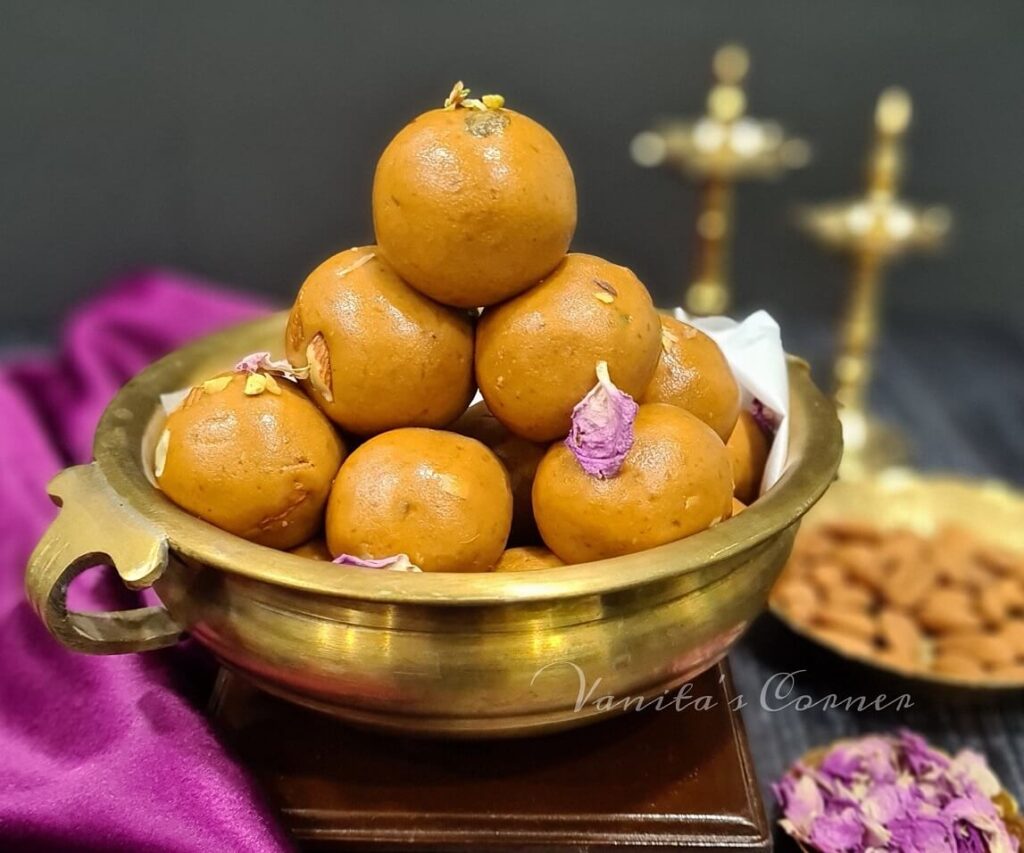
872,230
716,150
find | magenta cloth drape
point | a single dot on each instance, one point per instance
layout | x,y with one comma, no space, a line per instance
105,753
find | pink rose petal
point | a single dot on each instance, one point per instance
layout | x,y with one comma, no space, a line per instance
602,427
396,563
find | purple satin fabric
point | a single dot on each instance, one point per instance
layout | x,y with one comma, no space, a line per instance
105,753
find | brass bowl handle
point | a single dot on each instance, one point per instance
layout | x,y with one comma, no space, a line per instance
95,527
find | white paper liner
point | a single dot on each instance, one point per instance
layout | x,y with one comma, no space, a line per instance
753,348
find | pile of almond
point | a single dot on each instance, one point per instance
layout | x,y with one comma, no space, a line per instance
947,604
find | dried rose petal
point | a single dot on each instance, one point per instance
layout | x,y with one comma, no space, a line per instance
602,427
396,563
894,793
261,362
972,765
837,833
765,418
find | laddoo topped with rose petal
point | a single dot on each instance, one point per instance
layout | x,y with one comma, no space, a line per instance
672,481
535,354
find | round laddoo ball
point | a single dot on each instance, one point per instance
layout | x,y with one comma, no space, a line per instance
536,354
748,451
440,498
314,549
473,206
675,481
527,559
256,464
380,354
693,374
520,458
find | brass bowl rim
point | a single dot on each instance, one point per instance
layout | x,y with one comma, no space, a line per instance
815,451
903,476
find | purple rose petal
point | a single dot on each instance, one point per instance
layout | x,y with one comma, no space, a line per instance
765,418
838,833
396,563
261,362
893,793
602,427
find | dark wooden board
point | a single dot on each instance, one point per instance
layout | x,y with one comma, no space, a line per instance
671,779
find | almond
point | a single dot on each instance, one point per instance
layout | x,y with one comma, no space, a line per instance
998,598
902,637
948,610
908,584
850,645
797,599
986,648
957,665
1013,634
851,529
862,562
828,575
318,357
1013,672
848,622
850,596
1001,560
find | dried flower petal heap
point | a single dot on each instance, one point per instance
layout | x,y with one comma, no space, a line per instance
602,427
396,563
894,794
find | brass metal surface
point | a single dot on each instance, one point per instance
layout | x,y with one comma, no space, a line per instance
873,230
900,498
721,147
434,653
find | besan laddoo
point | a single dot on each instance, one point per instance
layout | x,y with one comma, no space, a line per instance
535,354
473,203
441,499
528,558
378,354
314,549
674,480
748,452
520,458
249,452
692,373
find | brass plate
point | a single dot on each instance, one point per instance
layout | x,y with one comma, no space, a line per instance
901,498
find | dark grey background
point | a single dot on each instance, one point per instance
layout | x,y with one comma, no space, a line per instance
237,140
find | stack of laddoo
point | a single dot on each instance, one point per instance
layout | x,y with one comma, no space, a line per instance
605,428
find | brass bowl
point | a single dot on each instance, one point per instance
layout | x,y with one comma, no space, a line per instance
460,655
923,503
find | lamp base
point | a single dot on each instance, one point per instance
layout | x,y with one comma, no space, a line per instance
870,446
